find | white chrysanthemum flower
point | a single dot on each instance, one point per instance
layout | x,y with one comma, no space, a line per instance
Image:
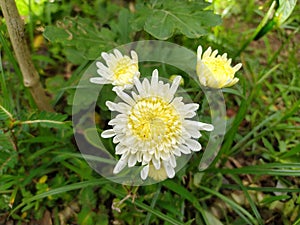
120,69
153,127
215,71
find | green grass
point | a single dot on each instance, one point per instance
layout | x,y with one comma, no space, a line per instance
253,180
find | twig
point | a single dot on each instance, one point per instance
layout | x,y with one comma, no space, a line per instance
31,79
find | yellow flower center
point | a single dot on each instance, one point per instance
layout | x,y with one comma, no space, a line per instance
219,67
124,70
153,119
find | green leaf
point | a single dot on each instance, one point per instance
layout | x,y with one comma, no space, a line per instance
268,145
276,169
183,193
5,112
88,198
9,156
59,190
56,34
48,119
81,38
27,7
282,13
292,152
86,216
55,83
242,212
122,27
271,199
284,10
162,19
144,206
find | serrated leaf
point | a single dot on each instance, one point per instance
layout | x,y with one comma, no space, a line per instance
56,34
163,19
122,27
81,36
284,10
50,116
49,119
138,21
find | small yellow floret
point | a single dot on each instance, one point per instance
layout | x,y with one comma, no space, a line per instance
124,71
215,71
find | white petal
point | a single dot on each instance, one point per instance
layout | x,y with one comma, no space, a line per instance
172,160
156,163
118,54
199,52
111,105
206,126
229,61
105,56
203,81
117,87
101,66
177,152
169,169
129,140
193,132
125,97
105,74
118,120
189,114
215,52
198,125
108,133
231,82
134,56
116,139
138,85
145,172
164,155
154,79
99,80
112,60
175,85
131,160
146,87
224,56
191,107
147,157
207,53
122,107
120,149
184,149
193,145
177,102
120,166
135,96
237,67
103,69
